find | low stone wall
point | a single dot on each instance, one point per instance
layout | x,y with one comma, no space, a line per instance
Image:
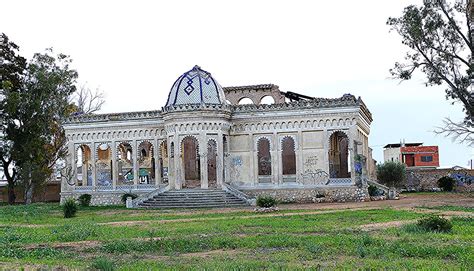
101,198
310,195
427,179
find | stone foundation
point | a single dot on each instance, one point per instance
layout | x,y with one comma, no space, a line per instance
311,195
101,198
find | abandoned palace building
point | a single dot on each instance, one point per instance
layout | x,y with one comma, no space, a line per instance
205,140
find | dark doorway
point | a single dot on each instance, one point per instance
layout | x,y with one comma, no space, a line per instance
190,149
338,156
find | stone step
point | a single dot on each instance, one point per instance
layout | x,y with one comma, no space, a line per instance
208,205
192,202
193,198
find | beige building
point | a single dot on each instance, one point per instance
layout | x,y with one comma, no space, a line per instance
297,148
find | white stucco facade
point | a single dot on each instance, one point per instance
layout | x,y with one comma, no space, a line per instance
111,154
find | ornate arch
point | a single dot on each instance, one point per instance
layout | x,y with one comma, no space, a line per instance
257,142
187,136
293,137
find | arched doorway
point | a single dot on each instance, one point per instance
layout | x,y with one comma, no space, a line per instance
339,155
146,163
212,163
84,166
125,164
190,154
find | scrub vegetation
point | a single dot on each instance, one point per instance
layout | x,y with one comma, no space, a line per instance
114,238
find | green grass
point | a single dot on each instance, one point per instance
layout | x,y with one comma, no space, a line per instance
239,239
450,208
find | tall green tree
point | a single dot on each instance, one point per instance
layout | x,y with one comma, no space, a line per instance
33,113
439,38
12,69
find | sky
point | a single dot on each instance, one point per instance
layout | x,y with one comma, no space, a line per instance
133,51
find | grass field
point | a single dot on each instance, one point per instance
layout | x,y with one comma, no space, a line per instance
358,236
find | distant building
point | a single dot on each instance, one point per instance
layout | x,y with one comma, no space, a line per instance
413,155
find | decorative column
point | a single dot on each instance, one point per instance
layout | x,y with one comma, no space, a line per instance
253,173
280,161
299,156
353,150
219,159
72,161
135,163
177,172
275,159
203,160
94,162
156,156
114,164
326,136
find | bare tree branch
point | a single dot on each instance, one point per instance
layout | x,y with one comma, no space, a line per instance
87,100
458,131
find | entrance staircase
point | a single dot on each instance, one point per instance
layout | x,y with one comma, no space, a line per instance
193,198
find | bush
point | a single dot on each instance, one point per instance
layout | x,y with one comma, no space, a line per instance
69,208
391,174
446,183
266,201
373,190
85,200
102,264
126,195
435,224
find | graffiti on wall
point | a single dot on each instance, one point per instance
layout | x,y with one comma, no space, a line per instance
462,178
235,167
313,175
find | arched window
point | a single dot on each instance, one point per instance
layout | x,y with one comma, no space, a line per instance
84,165
338,155
124,164
146,164
288,156
104,165
245,101
264,157
267,100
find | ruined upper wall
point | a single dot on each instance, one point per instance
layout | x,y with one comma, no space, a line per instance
255,93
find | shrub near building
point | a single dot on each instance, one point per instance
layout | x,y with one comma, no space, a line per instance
391,174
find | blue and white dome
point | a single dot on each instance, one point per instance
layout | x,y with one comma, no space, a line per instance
196,87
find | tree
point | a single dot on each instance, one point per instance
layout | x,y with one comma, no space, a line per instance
439,36
12,68
391,174
86,101
32,115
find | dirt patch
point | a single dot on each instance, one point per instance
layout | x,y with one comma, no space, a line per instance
79,245
384,225
26,225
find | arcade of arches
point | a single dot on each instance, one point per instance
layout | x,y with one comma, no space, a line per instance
203,139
